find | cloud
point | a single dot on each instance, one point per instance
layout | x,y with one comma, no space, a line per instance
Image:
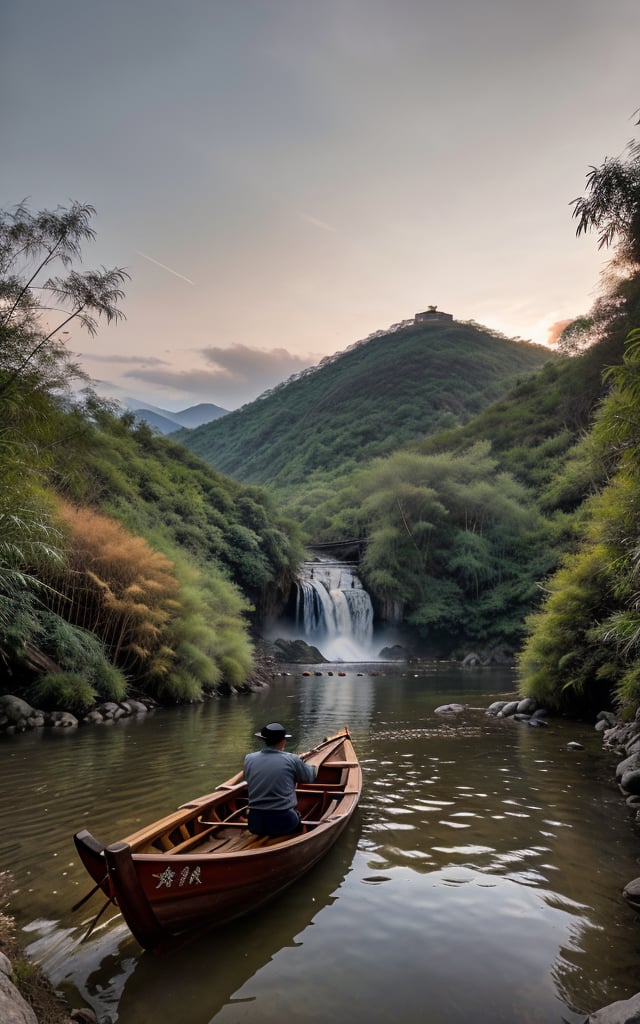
244,363
195,379
234,375
118,359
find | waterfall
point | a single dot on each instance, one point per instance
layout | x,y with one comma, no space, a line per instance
334,611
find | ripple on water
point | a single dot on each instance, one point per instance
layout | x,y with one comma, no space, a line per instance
465,851
529,877
458,877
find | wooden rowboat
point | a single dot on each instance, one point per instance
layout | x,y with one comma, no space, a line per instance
200,867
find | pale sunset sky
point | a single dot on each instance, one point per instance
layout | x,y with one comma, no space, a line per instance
283,177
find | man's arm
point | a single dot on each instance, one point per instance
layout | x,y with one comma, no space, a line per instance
305,772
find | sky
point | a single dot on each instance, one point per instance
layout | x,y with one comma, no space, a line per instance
282,178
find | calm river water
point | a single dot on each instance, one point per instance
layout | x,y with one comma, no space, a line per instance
479,881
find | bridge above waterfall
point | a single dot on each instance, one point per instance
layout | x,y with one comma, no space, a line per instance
341,550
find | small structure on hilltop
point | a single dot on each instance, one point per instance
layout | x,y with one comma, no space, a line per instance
432,316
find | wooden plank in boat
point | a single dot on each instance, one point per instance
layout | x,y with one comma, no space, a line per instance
340,764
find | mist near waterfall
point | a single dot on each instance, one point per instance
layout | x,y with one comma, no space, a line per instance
332,612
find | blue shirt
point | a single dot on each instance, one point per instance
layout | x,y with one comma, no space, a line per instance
271,776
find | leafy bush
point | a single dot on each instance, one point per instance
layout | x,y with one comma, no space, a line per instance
67,690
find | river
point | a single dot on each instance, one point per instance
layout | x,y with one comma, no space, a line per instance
480,879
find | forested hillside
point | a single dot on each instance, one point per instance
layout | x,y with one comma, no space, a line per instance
365,402
126,564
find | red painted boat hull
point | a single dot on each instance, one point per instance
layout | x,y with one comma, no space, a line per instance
212,873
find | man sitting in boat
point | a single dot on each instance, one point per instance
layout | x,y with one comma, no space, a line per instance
271,775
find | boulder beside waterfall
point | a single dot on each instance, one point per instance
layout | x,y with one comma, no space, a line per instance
296,652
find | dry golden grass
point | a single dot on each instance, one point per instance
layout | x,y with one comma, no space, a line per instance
118,587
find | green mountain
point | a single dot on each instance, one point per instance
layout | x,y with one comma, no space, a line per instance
365,402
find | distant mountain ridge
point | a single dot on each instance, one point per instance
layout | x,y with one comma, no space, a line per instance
168,422
393,387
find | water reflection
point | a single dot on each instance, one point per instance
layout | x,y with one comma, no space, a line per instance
235,955
485,867
197,980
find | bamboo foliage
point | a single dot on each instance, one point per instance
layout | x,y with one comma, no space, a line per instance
584,643
118,587
175,631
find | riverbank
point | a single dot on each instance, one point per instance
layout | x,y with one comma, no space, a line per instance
18,716
26,994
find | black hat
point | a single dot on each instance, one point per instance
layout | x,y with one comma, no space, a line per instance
273,733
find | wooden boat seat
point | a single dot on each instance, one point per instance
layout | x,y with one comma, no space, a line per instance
329,789
319,788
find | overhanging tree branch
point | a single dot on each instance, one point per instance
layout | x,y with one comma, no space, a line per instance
86,297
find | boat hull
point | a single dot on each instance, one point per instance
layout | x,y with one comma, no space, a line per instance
163,895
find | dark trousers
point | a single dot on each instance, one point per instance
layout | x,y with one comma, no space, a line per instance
273,823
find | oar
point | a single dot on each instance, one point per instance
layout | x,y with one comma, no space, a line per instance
84,899
94,922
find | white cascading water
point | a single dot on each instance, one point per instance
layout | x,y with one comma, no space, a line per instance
334,611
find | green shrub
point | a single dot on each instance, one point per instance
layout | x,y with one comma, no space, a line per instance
68,691
109,681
